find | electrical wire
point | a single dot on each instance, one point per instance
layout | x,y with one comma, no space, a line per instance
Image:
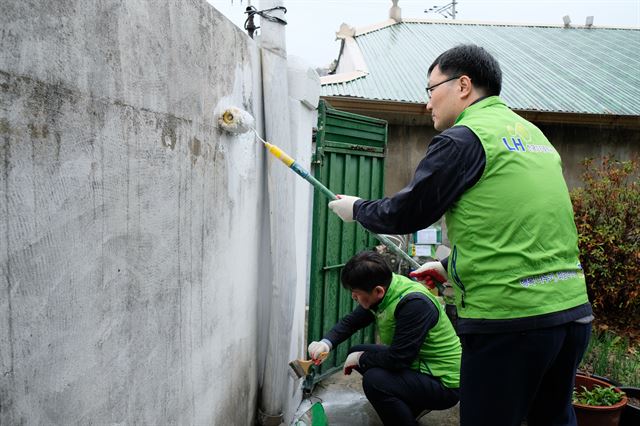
251,11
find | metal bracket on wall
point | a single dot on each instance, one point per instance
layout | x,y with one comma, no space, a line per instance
269,419
317,158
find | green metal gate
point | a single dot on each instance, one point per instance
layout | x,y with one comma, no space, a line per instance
348,159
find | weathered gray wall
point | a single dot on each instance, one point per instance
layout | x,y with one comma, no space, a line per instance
130,227
407,145
575,143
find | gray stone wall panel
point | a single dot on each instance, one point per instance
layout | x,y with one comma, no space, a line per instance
129,223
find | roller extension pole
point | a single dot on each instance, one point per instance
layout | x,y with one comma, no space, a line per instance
235,120
291,163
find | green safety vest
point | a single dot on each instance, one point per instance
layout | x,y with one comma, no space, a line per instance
440,352
514,241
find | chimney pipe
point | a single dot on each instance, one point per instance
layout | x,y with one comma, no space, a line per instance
395,12
589,22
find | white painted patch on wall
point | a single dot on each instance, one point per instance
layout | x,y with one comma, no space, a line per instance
238,139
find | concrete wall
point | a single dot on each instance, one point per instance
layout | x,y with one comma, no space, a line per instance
407,145
575,143
132,230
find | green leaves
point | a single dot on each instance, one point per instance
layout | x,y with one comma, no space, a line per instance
613,356
598,395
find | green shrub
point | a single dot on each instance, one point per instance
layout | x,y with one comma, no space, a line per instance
607,215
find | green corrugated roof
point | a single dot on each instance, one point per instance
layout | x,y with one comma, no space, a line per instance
592,71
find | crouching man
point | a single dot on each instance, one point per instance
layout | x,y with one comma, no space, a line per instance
417,367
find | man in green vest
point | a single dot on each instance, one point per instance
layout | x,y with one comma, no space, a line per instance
524,317
417,366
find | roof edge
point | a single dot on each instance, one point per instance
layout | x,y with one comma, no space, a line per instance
355,32
375,27
342,77
364,106
510,24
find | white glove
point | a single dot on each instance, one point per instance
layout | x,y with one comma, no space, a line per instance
316,348
429,273
353,361
343,207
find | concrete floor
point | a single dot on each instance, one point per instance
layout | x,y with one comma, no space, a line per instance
345,404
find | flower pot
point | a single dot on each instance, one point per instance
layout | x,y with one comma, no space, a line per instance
631,413
604,379
597,415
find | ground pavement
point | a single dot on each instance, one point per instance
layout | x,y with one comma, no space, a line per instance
345,404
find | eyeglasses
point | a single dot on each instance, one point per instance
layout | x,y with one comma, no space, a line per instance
430,88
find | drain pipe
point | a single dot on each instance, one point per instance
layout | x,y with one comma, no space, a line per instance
279,291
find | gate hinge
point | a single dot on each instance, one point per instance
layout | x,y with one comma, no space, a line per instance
316,158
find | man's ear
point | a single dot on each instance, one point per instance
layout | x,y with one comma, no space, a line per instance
379,291
465,86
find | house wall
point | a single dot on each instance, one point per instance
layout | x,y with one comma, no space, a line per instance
575,143
407,145
134,234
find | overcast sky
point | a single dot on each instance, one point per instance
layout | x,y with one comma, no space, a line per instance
312,24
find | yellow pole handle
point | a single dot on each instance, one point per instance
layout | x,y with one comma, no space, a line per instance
282,156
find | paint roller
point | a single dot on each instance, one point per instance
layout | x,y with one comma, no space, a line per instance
235,120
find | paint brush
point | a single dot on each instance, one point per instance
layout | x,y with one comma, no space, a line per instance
301,367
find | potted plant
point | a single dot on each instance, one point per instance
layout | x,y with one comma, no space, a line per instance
597,403
631,413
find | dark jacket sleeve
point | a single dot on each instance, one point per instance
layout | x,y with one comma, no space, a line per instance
415,316
454,162
349,324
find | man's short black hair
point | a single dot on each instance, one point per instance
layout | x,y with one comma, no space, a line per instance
474,62
365,271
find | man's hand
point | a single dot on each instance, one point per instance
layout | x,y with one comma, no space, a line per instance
353,361
343,207
429,273
317,348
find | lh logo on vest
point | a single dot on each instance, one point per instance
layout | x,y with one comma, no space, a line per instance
515,142
518,145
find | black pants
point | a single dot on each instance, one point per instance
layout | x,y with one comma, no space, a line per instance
508,377
399,396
